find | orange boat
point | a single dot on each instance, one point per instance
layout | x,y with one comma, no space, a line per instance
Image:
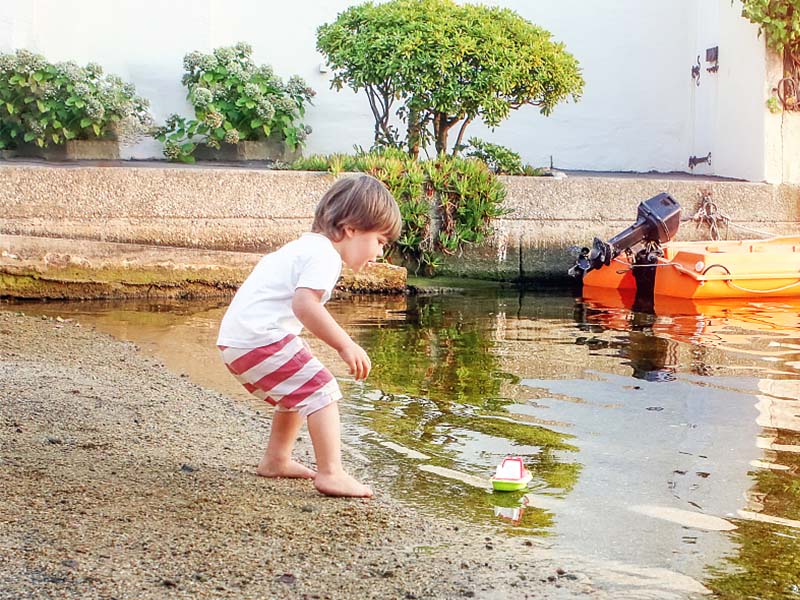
744,269
708,270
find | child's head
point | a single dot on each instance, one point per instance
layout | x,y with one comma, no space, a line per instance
362,203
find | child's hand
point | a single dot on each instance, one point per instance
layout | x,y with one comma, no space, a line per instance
357,360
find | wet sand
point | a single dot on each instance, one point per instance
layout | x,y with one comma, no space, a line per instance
120,479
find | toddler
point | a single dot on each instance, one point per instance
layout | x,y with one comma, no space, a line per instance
286,292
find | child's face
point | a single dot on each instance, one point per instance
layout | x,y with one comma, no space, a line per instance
357,248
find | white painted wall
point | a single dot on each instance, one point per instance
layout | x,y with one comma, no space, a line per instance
742,119
638,112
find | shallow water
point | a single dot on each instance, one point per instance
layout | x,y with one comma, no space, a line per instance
664,449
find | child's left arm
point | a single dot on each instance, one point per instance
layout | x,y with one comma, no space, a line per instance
309,310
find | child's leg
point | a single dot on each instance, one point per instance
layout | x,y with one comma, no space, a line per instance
331,479
277,461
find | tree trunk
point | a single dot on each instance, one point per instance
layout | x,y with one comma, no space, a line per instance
380,102
441,127
414,133
460,137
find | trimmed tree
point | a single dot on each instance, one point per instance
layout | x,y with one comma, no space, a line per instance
445,65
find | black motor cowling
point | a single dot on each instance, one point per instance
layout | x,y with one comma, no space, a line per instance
657,222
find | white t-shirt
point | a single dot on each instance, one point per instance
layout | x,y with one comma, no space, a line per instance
261,310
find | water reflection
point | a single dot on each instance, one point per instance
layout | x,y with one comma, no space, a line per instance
649,435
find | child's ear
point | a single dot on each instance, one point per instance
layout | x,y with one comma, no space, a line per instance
349,231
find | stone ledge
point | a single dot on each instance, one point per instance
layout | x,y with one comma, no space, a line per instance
38,268
256,210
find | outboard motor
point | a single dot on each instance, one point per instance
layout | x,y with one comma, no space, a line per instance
657,222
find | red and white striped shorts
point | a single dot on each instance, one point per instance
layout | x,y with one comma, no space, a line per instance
283,373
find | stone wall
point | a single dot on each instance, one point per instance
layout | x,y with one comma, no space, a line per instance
251,210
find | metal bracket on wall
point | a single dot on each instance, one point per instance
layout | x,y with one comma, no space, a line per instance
695,160
712,56
696,72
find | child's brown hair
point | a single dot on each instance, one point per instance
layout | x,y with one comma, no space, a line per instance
361,202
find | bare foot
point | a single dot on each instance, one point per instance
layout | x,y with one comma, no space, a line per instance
341,484
290,468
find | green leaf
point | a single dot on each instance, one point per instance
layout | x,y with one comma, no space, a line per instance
10,108
96,129
85,122
255,123
29,136
266,129
188,148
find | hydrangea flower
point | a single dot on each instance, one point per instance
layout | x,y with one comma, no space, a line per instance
285,105
265,110
202,97
208,62
225,55
94,110
297,86
191,61
172,150
235,70
214,119
243,48
252,90
232,136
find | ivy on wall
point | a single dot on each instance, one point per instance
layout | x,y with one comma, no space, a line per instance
779,22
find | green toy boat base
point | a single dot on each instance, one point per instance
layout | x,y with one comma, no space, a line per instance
511,475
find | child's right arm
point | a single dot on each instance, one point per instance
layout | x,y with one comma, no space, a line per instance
309,310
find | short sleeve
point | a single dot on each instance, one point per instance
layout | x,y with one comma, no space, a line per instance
321,271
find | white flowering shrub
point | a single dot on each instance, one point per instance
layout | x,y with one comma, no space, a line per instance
45,103
235,100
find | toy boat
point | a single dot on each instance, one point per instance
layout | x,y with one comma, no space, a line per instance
704,270
511,475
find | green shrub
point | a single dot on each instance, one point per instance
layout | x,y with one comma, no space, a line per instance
45,103
446,203
235,100
499,159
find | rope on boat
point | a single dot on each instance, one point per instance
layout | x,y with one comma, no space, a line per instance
778,289
756,231
727,271
632,266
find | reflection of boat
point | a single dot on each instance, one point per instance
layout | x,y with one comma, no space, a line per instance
512,515
697,270
730,321
772,313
